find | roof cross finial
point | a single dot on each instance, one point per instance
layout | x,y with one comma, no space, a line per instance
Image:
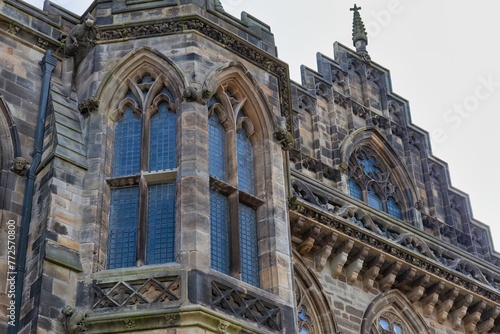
359,37
355,8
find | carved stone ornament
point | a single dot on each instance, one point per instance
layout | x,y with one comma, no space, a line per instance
191,94
87,106
223,326
282,134
20,166
81,37
257,56
74,320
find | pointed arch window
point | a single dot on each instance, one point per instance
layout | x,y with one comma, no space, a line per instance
370,182
233,204
141,226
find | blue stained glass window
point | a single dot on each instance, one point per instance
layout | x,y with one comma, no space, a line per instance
374,199
217,148
369,164
246,178
123,227
161,224
355,190
162,150
394,209
127,149
249,246
219,232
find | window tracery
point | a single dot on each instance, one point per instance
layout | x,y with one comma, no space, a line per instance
233,200
142,200
370,181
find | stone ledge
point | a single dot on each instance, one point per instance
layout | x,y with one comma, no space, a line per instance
63,256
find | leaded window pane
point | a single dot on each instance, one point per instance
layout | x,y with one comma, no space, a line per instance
355,190
394,209
249,247
162,150
219,232
123,227
161,224
127,149
370,165
374,199
246,178
217,148
384,324
398,329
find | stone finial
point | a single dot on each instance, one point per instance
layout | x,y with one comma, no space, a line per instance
359,36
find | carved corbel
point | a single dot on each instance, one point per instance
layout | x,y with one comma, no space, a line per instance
473,316
373,270
460,309
419,288
20,166
322,256
429,302
87,106
356,265
445,306
297,227
74,320
308,240
406,277
281,133
340,259
191,94
389,276
488,320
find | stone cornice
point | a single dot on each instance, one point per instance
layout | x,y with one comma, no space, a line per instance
209,29
329,223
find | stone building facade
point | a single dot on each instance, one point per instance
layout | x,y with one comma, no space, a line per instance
160,173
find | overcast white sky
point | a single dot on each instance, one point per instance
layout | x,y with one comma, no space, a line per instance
443,58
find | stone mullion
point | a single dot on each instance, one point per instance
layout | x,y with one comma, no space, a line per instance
234,232
141,229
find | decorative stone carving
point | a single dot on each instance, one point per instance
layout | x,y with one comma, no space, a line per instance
82,36
191,94
74,320
87,106
223,326
246,305
129,323
171,320
281,133
20,166
257,56
337,263
308,240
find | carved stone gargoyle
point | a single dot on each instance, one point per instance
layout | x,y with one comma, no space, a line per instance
282,134
74,320
81,37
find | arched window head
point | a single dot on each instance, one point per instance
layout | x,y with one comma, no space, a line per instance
127,153
392,313
143,193
366,171
389,323
233,201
